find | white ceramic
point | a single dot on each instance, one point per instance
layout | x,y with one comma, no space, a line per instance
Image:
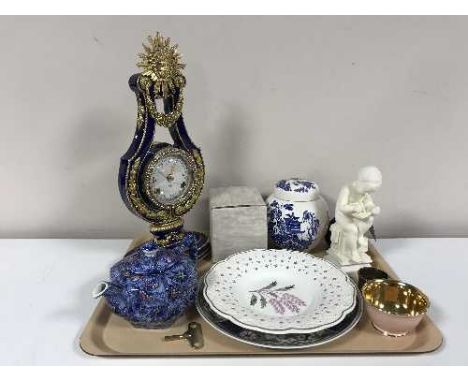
297,215
278,341
354,215
279,291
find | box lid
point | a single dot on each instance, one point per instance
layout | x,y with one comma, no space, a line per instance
228,197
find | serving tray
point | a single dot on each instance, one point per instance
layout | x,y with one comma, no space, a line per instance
106,334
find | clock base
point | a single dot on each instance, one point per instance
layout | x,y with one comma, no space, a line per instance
202,243
167,227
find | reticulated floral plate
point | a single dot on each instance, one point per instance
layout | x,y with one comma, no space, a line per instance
278,341
279,291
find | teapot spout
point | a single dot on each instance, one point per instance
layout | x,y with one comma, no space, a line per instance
100,289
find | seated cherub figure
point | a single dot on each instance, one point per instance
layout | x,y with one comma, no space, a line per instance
354,215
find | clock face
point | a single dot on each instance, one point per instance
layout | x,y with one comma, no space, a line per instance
169,179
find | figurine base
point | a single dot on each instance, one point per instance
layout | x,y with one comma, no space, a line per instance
350,268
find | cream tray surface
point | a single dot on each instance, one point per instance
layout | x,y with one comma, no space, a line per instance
107,334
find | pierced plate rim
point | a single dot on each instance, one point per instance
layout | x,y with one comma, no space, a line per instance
292,329
348,329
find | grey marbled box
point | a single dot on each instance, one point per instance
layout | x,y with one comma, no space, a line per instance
238,221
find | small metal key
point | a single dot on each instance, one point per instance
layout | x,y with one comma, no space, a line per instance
193,335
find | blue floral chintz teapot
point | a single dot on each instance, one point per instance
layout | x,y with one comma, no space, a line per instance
152,286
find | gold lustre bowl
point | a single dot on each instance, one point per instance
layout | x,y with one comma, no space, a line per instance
394,307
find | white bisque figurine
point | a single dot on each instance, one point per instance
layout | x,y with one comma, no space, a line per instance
354,215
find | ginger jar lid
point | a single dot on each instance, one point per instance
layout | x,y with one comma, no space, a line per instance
296,190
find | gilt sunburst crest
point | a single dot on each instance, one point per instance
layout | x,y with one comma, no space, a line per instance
161,62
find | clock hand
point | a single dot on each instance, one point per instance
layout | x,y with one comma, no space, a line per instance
170,176
162,173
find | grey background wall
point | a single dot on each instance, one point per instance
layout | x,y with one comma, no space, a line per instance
267,97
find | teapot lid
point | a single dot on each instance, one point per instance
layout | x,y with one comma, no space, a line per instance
148,259
296,190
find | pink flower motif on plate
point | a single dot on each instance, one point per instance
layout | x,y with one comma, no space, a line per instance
279,298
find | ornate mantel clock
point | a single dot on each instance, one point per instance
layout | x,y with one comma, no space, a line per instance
158,181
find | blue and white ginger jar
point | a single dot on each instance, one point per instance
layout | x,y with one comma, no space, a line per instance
297,215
